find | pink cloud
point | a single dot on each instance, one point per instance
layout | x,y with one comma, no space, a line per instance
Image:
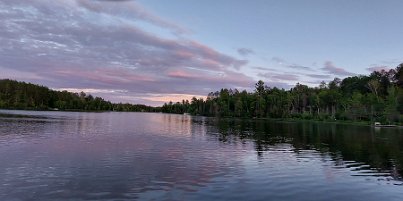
184,54
164,98
111,54
180,74
113,76
329,67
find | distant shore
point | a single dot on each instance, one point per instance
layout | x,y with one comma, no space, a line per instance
346,122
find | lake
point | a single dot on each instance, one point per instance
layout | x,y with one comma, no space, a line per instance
152,156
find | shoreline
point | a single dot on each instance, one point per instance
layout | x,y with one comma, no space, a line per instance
344,122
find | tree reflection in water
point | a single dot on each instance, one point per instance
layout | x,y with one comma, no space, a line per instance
359,148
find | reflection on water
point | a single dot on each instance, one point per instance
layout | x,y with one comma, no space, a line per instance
380,151
126,156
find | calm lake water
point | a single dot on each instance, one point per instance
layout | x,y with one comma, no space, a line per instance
144,156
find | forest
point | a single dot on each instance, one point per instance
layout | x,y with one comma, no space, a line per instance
376,97
21,95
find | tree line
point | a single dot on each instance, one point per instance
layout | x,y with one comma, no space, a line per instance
375,97
22,95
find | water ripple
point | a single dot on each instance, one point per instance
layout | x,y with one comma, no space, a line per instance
129,156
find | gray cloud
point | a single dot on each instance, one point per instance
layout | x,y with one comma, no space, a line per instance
392,62
279,76
245,51
377,68
278,60
284,63
278,84
316,83
329,67
319,76
299,67
130,10
77,44
264,68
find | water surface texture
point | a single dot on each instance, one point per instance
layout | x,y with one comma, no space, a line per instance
144,156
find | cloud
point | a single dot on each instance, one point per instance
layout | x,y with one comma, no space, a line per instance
284,63
264,68
245,51
7,73
90,45
319,76
377,68
130,10
329,67
91,91
316,83
113,0
288,79
164,98
278,60
299,67
392,62
278,84
279,76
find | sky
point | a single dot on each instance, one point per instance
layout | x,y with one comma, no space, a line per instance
154,51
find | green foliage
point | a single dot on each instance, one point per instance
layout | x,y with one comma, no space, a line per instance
377,97
21,95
